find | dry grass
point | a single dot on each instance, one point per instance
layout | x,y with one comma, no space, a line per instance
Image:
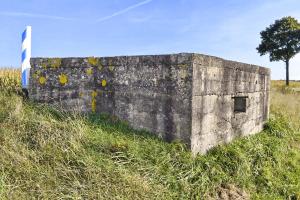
286,100
10,79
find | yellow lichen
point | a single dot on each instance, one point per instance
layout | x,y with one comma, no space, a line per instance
103,83
80,94
111,68
42,80
63,79
182,65
44,65
94,105
36,74
93,61
89,71
55,62
52,63
94,94
110,62
100,66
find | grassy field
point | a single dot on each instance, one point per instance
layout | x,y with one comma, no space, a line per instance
49,154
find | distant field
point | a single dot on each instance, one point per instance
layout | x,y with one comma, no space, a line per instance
49,154
280,86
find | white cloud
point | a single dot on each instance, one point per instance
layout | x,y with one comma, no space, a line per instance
123,11
54,17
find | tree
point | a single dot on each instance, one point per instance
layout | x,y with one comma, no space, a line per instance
281,41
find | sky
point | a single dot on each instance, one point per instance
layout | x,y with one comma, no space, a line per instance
69,28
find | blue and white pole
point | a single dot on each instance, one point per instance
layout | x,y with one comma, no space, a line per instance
26,55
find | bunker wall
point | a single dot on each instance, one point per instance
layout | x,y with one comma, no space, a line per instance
230,99
150,92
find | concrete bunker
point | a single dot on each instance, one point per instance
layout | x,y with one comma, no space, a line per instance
198,99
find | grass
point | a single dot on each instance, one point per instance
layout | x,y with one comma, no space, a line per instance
49,154
10,80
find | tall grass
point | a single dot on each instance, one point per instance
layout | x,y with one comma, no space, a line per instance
48,154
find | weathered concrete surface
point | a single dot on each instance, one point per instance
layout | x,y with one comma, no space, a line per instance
180,96
216,83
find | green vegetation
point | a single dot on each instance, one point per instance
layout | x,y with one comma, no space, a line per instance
281,41
49,154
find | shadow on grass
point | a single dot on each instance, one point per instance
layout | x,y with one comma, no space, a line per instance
111,124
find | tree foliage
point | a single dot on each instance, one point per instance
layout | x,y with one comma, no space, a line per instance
281,39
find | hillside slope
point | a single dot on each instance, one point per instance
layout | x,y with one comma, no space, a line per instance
49,154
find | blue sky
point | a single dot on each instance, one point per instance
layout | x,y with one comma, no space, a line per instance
66,28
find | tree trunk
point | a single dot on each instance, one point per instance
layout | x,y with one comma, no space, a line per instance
287,80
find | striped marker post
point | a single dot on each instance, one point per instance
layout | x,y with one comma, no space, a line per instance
26,55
